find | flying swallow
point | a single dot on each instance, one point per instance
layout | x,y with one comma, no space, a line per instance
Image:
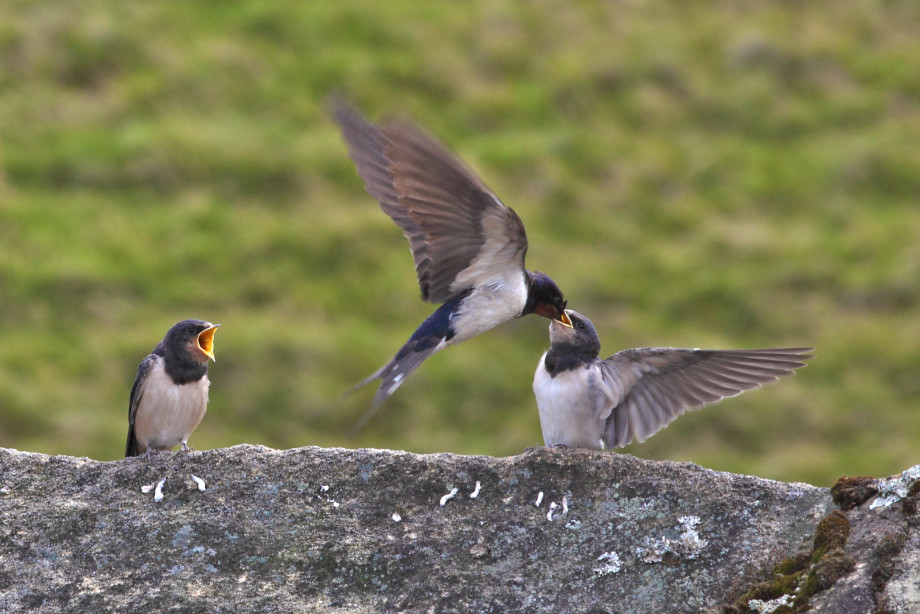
467,245
586,402
170,392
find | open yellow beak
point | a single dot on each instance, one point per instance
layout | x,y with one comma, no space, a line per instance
206,341
564,318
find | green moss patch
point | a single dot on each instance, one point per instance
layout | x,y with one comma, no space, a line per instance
852,491
804,574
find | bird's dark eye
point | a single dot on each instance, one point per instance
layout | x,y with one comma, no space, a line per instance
579,325
191,330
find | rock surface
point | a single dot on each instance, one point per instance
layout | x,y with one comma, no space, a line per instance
333,530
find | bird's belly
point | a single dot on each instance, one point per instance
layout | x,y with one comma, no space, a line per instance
567,417
487,307
169,413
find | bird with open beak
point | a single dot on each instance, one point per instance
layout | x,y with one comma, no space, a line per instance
468,246
170,393
585,402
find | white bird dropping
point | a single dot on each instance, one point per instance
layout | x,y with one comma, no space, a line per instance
539,499
475,492
198,481
449,496
158,492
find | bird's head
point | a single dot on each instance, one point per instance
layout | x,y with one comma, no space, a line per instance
579,337
194,338
546,299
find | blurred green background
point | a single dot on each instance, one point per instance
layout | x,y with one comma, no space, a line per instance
720,175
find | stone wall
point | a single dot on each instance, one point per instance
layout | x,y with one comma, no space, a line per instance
334,530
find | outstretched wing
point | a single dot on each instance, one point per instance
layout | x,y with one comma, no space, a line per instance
653,386
460,234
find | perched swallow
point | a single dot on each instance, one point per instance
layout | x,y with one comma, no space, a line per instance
170,392
468,246
586,402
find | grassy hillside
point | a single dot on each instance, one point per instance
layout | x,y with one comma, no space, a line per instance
721,176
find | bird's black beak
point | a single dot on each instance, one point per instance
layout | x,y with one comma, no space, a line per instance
553,312
206,341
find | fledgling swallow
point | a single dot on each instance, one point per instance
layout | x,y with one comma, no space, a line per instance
467,245
586,402
170,392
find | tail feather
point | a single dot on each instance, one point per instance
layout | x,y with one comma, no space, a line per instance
392,375
432,336
131,447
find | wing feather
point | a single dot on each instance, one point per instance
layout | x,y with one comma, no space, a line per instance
656,385
137,394
460,234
